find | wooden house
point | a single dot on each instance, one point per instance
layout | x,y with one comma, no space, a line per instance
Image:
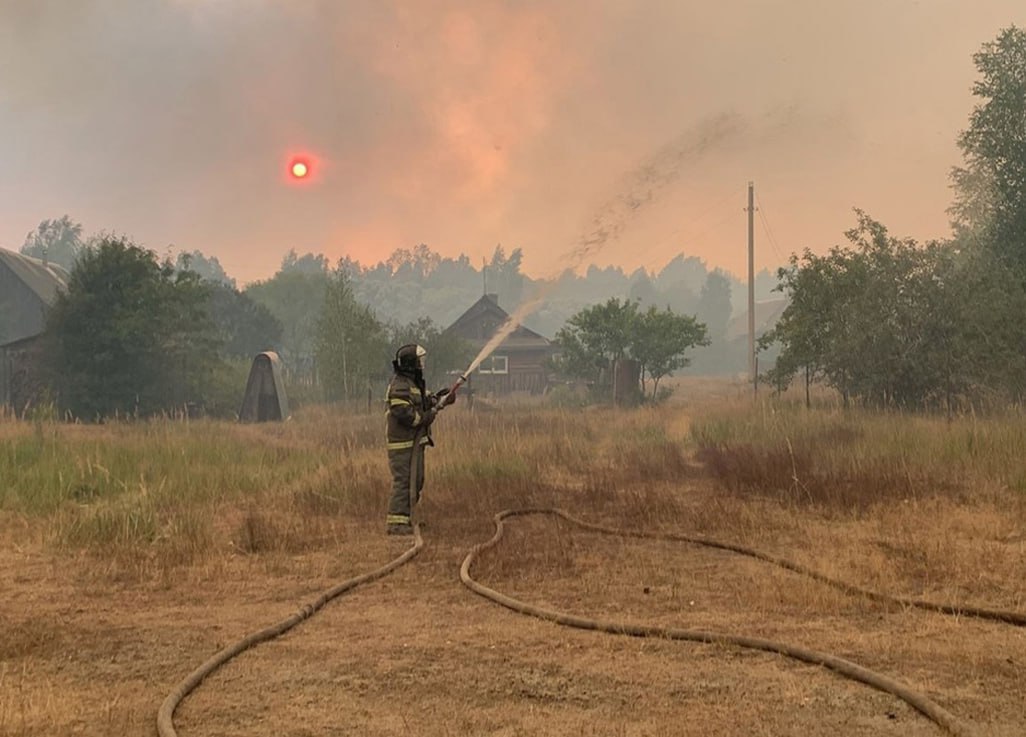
519,364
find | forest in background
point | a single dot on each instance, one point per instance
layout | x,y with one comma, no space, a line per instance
416,284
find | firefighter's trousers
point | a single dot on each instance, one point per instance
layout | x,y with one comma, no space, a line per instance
402,463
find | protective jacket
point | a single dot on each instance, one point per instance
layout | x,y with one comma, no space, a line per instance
409,405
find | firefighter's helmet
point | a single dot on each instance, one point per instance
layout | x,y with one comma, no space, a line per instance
410,357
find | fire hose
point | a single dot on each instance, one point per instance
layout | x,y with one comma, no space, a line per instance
960,610
846,668
165,716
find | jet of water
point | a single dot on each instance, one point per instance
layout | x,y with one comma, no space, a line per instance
642,186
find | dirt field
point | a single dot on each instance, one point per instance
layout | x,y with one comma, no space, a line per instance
91,644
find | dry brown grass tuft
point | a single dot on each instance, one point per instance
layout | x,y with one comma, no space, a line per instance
31,637
260,532
840,461
795,477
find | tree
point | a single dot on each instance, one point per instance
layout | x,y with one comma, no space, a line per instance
416,264
801,328
208,268
851,314
642,289
682,273
661,342
295,297
714,305
308,263
504,277
595,338
679,283
244,326
56,241
893,323
990,190
350,343
130,335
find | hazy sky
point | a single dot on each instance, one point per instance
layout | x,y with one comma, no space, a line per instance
467,124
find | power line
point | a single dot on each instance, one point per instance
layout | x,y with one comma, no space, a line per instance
698,236
769,231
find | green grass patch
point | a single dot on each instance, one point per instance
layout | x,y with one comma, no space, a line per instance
49,465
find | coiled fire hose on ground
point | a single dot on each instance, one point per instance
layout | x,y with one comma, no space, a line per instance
165,724
846,668
165,716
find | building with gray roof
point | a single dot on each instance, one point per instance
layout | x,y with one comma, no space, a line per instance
28,287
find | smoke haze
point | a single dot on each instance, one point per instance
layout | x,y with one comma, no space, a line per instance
548,126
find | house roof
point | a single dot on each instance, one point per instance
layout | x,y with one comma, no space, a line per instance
767,313
43,279
486,313
19,343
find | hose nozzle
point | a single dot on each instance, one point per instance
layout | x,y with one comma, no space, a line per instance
450,393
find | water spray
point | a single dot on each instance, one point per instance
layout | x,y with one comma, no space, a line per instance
504,331
641,187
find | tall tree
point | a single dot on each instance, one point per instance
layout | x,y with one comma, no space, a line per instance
990,190
208,267
308,263
57,241
504,277
295,297
245,327
350,344
714,305
130,335
642,289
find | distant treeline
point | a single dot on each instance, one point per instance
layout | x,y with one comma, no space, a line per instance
135,335
417,284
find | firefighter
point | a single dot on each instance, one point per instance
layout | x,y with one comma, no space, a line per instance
411,410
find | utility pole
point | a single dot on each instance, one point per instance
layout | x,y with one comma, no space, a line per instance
752,374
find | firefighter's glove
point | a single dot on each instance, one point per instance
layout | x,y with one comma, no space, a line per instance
445,397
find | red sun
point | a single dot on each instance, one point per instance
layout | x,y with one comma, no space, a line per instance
299,168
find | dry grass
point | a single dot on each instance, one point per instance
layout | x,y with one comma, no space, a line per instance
848,460
128,552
